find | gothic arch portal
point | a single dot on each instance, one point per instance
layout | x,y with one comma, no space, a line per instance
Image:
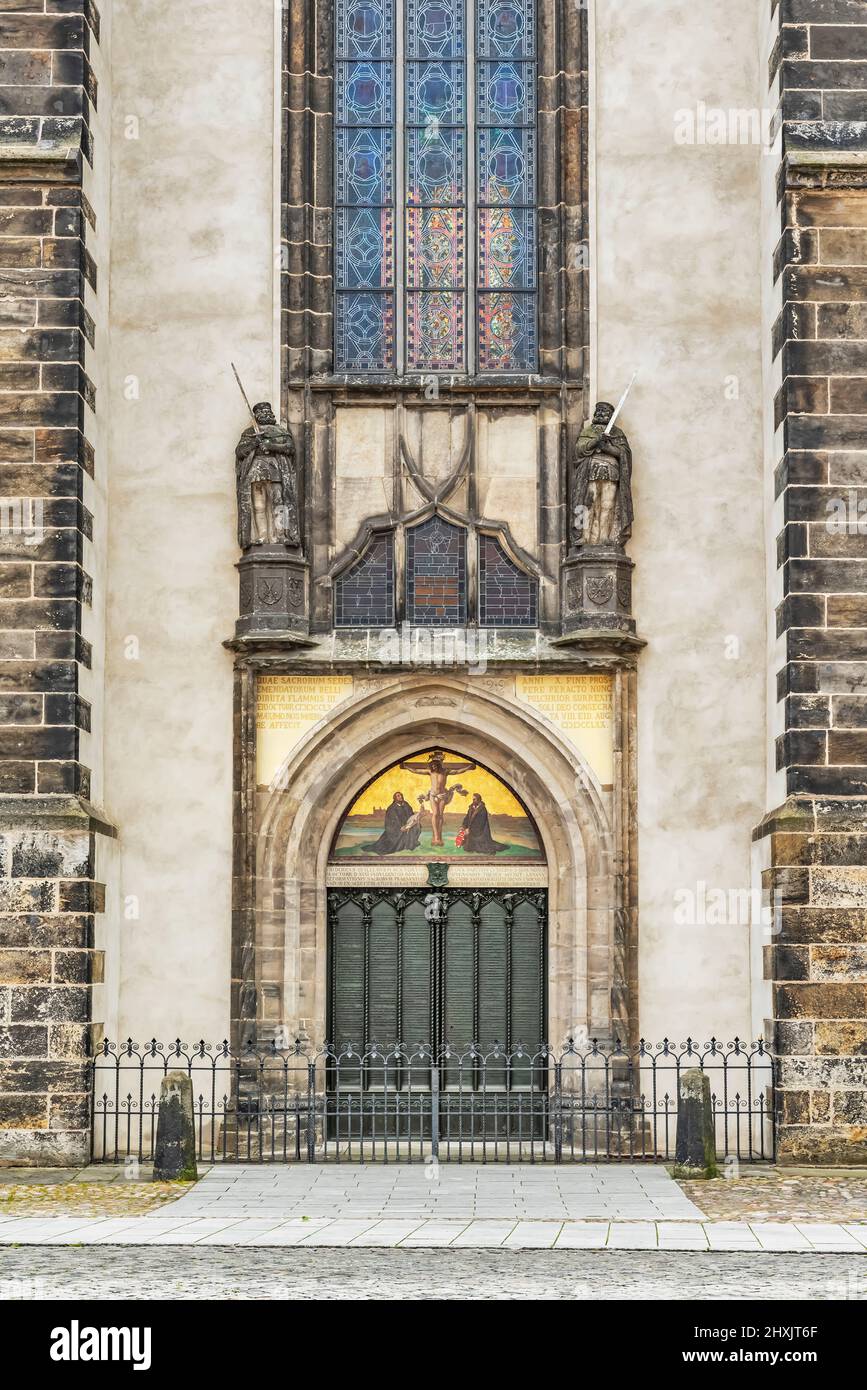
281,928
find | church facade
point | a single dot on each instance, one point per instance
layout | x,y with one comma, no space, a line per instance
434,447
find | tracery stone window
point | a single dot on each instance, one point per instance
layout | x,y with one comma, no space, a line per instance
435,186
507,596
436,574
452,576
364,595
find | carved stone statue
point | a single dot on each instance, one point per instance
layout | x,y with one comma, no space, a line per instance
602,484
267,485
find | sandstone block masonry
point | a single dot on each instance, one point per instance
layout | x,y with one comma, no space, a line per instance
48,896
818,839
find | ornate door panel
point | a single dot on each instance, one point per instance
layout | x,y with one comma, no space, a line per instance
446,968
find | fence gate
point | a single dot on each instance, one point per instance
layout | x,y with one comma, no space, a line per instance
582,1103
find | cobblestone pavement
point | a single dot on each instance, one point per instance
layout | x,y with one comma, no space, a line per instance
468,1275
66,1193
777,1194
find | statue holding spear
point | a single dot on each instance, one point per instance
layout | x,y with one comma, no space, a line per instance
266,480
602,510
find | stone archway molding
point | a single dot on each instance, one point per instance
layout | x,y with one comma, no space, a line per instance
287,929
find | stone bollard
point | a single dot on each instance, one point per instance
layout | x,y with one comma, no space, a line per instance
175,1153
695,1147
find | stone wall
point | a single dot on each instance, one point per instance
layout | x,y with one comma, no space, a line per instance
819,54
818,838
48,896
195,281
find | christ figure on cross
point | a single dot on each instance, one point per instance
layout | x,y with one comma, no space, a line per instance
440,794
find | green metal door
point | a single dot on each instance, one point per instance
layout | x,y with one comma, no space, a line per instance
445,968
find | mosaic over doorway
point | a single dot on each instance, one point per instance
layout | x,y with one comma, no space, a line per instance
437,804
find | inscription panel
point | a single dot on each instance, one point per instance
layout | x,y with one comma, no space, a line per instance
581,707
288,707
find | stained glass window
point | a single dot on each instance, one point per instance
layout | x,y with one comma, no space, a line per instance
364,185
436,574
507,596
436,113
364,594
404,133
506,185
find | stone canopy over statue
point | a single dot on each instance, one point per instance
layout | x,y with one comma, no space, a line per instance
266,483
602,483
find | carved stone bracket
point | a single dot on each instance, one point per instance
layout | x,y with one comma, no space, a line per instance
597,592
273,593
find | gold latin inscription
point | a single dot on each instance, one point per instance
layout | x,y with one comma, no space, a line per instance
287,707
581,707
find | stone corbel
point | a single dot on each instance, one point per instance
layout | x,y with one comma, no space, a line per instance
274,595
596,600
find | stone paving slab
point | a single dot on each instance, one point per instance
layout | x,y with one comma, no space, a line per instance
54,1177
419,1191
584,1235
387,1233
434,1234
533,1235
478,1234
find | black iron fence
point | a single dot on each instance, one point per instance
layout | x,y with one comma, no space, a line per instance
581,1104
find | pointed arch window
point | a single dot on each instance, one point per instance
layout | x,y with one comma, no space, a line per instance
508,597
440,587
364,593
435,186
436,574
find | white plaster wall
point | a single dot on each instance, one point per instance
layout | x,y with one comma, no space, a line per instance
772,303
192,286
678,295
678,291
